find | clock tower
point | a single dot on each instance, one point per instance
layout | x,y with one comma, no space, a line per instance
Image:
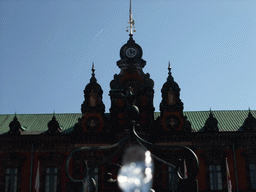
131,80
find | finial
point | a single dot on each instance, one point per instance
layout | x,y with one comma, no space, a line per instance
249,110
93,69
15,116
169,68
53,115
170,77
93,79
131,21
211,114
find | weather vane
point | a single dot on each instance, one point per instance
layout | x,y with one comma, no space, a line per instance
131,21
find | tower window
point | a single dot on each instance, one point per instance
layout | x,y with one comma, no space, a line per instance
215,176
11,178
51,179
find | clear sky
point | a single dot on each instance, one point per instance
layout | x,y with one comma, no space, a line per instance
47,48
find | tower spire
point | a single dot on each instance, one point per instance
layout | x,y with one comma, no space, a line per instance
131,21
169,68
93,79
93,69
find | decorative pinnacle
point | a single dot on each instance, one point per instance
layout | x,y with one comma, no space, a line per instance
169,68
211,114
169,78
131,21
93,79
249,110
93,69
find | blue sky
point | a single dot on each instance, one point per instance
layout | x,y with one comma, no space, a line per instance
47,49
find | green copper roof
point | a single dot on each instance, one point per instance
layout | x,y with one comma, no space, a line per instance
37,123
227,120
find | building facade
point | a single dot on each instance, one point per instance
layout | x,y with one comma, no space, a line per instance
41,143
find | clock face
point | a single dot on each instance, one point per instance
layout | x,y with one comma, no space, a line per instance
131,52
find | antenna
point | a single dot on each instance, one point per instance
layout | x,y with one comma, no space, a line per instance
131,21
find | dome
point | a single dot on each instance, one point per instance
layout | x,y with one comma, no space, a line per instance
130,50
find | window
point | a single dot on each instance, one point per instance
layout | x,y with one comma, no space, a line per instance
215,176
215,169
250,159
11,164
252,168
51,179
11,178
51,164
